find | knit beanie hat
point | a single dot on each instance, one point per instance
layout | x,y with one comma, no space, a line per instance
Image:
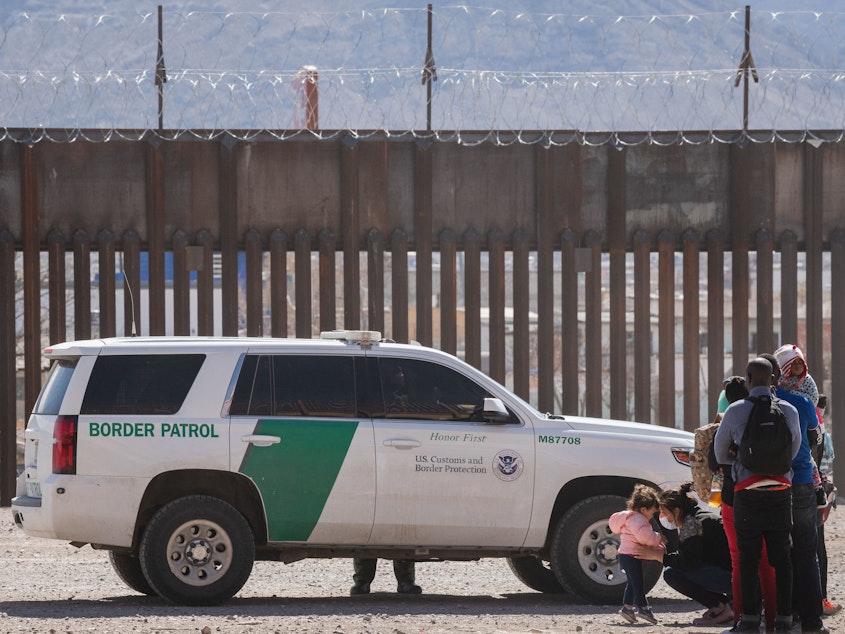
788,357
786,354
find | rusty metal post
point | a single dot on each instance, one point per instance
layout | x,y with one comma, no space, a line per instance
8,381
228,184
131,265
472,297
328,318
448,292
399,285
181,284
423,217
155,177
81,285
375,280
205,284
545,236
521,307
31,209
593,381
350,223
570,337
616,235
813,246
57,285
254,284
789,288
715,316
496,323
765,292
742,163
278,283
691,330
642,327
837,339
302,280
106,284
666,328
307,79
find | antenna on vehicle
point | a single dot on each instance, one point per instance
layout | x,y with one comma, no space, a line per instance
132,332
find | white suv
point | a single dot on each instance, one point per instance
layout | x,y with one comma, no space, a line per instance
189,458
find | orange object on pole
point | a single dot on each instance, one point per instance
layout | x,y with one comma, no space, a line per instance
308,77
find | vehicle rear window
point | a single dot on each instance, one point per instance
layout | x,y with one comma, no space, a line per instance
54,390
140,384
295,385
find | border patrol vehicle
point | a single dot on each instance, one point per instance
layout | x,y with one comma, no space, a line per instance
187,459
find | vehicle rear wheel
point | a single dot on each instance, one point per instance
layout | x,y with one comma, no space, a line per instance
535,573
128,568
197,550
584,552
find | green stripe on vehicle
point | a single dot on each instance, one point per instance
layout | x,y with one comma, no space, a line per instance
296,476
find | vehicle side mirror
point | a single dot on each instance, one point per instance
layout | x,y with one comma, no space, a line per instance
495,411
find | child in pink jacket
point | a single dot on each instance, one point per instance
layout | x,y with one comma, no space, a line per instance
634,527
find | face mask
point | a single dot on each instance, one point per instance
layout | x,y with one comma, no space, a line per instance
668,524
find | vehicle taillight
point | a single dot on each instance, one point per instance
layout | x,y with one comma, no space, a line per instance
64,445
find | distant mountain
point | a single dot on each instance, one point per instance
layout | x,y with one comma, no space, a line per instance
524,65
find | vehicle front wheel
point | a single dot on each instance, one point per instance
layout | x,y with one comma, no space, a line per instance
128,568
535,573
584,552
197,550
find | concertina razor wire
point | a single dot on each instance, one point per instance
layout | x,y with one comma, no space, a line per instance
501,76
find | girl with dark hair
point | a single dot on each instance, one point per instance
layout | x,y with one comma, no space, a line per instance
634,526
700,568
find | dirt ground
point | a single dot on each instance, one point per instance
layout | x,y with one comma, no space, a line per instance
48,586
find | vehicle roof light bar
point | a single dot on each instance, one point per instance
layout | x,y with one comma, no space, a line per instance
364,337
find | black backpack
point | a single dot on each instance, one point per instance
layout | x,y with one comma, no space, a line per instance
766,445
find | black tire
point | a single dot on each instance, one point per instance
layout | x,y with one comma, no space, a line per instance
535,573
583,552
128,568
197,550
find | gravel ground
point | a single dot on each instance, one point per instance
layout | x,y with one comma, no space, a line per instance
50,586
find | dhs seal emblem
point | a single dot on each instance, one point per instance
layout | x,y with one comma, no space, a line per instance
508,465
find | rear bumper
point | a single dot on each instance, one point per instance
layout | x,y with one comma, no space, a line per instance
93,510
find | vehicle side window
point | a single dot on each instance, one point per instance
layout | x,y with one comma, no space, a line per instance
253,393
54,390
140,384
243,389
314,385
417,389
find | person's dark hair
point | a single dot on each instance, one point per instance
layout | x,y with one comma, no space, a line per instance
735,389
822,404
679,498
643,497
768,356
760,372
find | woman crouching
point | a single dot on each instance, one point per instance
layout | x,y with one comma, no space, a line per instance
700,568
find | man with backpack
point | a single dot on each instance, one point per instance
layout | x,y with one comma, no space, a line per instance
807,595
759,437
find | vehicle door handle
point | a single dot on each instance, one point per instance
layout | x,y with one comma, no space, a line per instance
261,441
402,443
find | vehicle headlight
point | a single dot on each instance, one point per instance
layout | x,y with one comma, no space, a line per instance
681,455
